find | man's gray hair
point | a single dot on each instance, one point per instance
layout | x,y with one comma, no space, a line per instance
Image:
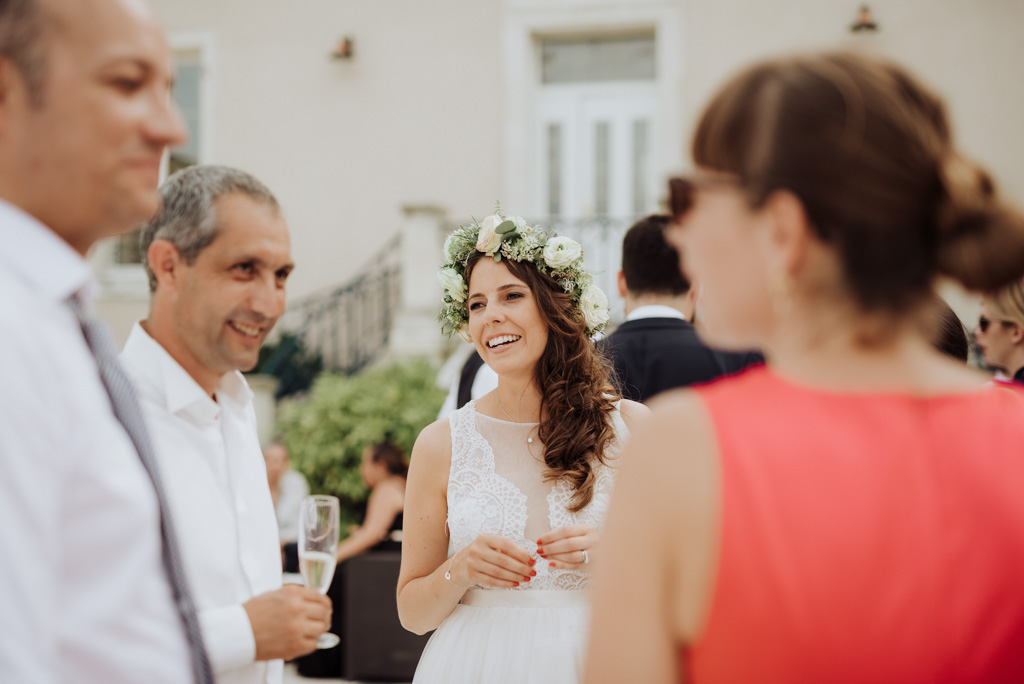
23,33
188,217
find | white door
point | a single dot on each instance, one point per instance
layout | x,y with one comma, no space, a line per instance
594,151
595,172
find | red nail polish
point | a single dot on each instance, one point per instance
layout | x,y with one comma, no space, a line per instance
533,561
551,563
526,579
533,573
540,543
515,584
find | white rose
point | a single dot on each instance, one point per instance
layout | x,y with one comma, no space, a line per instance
561,252
452,283
594,305
488,241
463,332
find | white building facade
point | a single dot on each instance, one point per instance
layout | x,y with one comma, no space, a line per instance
567,112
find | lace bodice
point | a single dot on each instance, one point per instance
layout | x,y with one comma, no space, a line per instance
497,486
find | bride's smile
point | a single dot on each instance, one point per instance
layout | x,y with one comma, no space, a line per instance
504,319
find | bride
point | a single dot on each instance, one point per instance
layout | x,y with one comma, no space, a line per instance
506,496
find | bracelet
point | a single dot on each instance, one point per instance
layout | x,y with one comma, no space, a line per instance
448,573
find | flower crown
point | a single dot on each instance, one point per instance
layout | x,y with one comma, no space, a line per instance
510,237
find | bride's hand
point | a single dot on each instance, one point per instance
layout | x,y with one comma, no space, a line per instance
493,561
570,547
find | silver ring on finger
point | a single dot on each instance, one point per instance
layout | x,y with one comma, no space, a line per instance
586,558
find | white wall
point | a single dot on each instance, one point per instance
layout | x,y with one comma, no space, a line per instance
430,110
970,51
413,118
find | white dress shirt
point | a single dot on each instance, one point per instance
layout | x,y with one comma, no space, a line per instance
84,596
654,311
484,381
216,483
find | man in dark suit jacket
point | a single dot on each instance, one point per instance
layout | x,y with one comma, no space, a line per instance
657,348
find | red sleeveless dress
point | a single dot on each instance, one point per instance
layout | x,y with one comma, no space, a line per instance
865,537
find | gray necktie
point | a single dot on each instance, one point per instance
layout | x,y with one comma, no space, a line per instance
129,412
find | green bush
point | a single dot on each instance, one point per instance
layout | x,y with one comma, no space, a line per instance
327,431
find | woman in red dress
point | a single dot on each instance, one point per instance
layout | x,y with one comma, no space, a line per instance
854,510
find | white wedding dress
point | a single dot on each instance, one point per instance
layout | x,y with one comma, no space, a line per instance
535,633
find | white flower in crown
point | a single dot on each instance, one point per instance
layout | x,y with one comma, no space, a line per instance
594,306
489,240
511,237
452,283
450,248
560,252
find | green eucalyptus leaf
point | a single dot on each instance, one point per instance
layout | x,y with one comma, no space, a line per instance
497,257
505,227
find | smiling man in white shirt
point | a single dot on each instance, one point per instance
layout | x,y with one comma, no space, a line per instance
87,579
217,256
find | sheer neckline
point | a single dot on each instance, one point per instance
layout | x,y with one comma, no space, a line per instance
472,406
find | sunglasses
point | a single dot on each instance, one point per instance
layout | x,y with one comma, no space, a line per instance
681,191
984,323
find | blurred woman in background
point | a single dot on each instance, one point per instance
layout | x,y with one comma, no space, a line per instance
383,469
1000,331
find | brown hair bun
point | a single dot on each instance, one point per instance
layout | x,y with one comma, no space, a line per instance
867,150
981,240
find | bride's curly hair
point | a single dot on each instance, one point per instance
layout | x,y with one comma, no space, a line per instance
577,395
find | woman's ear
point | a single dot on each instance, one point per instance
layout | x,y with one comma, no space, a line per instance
790,231
1016,333
165,261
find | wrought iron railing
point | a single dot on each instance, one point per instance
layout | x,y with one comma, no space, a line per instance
349,326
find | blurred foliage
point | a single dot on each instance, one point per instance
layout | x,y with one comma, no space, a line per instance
294,366
327,430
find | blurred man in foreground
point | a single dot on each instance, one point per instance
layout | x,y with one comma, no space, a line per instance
91,584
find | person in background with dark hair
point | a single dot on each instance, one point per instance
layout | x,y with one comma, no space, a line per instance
657,347
851,511
383,470
1000,331
947,333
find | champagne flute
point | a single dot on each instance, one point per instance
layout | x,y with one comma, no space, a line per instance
319,522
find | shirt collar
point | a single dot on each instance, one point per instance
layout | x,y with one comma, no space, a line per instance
180,389
655,311
41,258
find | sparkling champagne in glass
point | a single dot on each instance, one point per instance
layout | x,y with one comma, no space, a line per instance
319,521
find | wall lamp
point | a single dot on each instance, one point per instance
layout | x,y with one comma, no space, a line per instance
344,49
865,22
